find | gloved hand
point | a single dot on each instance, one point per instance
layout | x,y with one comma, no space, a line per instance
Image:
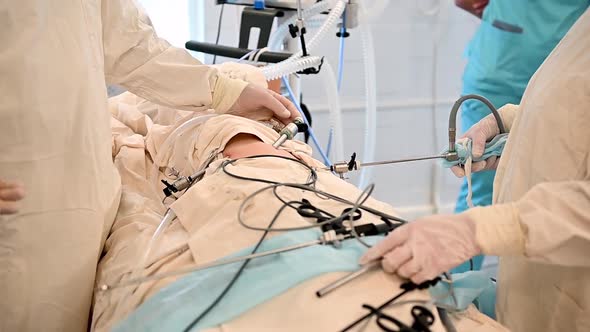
475,7
10,194
423,249
480,133
260,104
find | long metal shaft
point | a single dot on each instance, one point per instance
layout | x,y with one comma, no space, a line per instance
216,263
282,139
387,162
347,278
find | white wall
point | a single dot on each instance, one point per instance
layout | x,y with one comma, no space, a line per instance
405,37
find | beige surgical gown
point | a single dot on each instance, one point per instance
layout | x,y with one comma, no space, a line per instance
55,57
540,223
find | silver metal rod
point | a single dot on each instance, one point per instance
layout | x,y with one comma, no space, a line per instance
349,277
386,162
280,141
216,263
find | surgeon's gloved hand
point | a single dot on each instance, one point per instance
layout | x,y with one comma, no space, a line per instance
423,249
10,194
262,104
480,133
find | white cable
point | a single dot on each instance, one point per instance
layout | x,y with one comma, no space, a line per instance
435,179
333,97
370,137
259,53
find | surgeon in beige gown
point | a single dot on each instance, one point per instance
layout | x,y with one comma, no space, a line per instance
55,142
539,224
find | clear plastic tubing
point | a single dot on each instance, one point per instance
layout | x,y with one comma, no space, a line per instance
168,143
166,221
375,11
308,14
370,100
282,31
331,89
141,266
326,28
274,72
331,21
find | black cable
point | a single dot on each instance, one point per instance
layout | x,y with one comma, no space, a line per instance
378,309
470,264
407,287
313,176
218,30
307,186
236,276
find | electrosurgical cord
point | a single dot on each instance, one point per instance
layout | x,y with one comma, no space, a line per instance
362,198
232,282
306,186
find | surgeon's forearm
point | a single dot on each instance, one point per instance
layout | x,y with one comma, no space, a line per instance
550,224
150,67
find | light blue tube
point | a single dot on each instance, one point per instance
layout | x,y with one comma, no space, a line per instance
329,145
311,134
341,53
340,74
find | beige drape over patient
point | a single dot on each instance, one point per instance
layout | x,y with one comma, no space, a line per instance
207,227
540,222
55,137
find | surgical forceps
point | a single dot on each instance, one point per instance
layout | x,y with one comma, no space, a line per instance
423,319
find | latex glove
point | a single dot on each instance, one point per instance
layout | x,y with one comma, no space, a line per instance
425,248
260,104
480,133
475,7
10,194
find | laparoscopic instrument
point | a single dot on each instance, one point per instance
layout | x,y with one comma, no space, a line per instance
450,155
329,236
289,132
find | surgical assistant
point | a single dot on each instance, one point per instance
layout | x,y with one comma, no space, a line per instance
55,138
539,223
512,41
